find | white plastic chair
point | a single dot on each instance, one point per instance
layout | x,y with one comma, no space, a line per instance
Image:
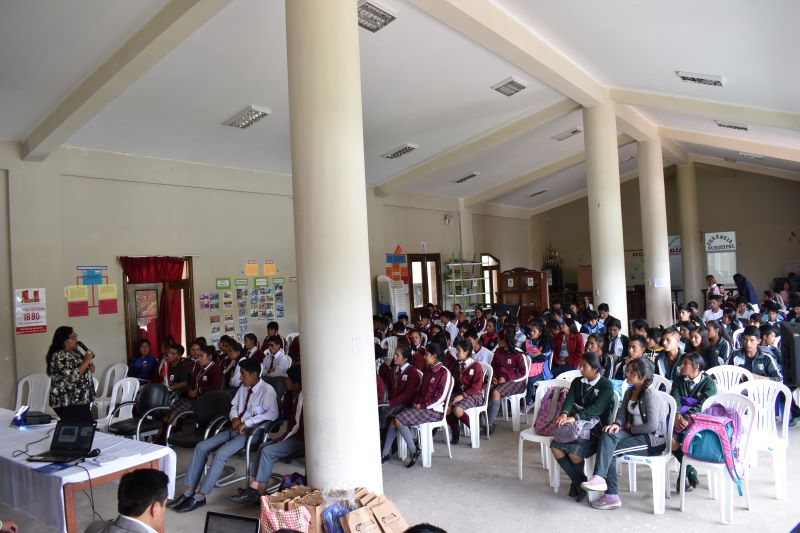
474,413
114,373
124,391
728,377
517,410
530,433
402,449
289,338
721,478
658,464
659,381
426,430
585,338
96,383
389,344
735,336
38,392
765,435
424,338
376,340
569,375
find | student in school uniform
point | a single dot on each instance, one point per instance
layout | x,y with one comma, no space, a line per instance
272,331
591,325
698,343
490,337
417,350
402,317
714,311
757,359
602,313
594,343
769,341
615,344
172,372
451,325
424,324
654,347
590,396
251,350
291,442
229,363
450,360
636,347
639,429
428,406
479,322
230,367
276,363
479,352
457,314
255,402
509,370
143,365
467,390
190,358
668,362
719,344
207,378
403,381
539,350
567,349
689,389
640,327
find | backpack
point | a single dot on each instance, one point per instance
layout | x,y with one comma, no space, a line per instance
714,439
552,403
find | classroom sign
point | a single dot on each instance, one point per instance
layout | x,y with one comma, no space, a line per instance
30,311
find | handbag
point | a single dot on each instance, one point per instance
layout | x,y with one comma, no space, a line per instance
577,430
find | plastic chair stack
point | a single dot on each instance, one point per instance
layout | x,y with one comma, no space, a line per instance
114,373
38,392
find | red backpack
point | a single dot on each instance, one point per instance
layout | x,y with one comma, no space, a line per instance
552,403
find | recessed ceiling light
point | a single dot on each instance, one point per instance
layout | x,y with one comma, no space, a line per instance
400,151
748,155
509,86
467,177
538,193
247,116
701,79
629,158
567,134
371,17
741,126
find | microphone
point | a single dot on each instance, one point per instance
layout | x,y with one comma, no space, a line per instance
82,346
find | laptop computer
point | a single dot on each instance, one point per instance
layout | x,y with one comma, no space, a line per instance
228,523
71,441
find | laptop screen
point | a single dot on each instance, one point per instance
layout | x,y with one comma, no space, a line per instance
73,437
228,523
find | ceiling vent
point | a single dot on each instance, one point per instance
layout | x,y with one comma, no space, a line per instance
740,126
701,79
400,151
564,135
468,177
629,158
372,17
509,86
748,155
538,193
247,117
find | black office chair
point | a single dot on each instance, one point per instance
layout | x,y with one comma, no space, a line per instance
151,403
208,408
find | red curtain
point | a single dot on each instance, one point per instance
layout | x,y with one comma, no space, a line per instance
159,270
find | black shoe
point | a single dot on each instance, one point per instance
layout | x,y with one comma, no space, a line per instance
434,432
191,505
384,459
180,500
491,428
454,438
414,457
573,490
581,494
250,495
691,477
687,488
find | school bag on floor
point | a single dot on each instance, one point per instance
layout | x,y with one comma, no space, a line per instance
713,437
552,403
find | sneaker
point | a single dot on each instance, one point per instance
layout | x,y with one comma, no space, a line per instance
607,502
384,459
596,483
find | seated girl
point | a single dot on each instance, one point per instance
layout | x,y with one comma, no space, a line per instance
429,404
143,366
698,343
402,382
567,348
640,429
654,343
467,391
690,390
594,343
719,344
509,370
539,350
590,396
479,322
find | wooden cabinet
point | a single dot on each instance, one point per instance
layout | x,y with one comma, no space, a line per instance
525,288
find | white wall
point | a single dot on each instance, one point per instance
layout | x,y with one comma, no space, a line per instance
508,239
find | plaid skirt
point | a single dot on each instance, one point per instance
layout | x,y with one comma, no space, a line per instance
180,406
476,400
580,447
415,417
386,414
509,388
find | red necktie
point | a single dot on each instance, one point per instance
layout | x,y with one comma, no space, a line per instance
246,402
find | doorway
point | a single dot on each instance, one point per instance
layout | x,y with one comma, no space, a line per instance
423,280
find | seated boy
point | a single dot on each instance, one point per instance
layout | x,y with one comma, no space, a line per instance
276,363
759,361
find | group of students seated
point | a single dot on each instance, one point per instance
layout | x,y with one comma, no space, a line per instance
414,384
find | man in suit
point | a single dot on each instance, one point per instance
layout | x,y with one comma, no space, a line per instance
141,503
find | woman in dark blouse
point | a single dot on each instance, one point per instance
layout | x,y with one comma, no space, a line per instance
144,363
71,385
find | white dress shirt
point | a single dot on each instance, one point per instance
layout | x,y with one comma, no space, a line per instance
263,404
281,364
483,356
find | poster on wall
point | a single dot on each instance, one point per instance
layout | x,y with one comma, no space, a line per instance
205,300
269,268
230,329
214,299
634,267
30,311
77,300
107,298
277,285
227,300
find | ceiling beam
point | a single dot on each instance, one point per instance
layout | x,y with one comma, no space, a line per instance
633,123
162,34
483,142
534,176
732,143
745,167
707,108
498,31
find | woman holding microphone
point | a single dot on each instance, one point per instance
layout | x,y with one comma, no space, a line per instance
71,385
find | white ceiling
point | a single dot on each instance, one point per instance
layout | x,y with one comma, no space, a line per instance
422,82
721,153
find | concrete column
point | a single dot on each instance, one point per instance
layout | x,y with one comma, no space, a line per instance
605,210
465,231
655,241
537,241
331,241
691,243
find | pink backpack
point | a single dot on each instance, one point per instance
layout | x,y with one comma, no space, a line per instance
714,439
552,403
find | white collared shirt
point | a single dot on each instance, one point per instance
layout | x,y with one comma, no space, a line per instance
142,524
593,382
279,367
263,404
483,356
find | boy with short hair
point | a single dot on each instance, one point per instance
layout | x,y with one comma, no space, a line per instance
714,312
759,361
276,363
602,312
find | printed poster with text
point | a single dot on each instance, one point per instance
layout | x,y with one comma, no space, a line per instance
30,311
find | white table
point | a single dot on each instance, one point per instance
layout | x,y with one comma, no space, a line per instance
50,498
